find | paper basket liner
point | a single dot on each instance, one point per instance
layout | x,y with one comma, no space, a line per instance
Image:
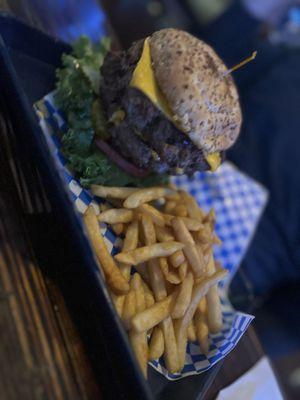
238,202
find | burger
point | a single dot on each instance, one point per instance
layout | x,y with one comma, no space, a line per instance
171,107
165,106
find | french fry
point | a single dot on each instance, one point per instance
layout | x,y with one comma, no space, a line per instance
182,270
146,195
172,254
191,224
139,340
190,250
146,253
143,271
159,288
169,287
180,210
153,315
156,345
170,352
210,218
118,302
171,274
214,312
177,258
168,219
112,192
192,207
169,206
181,340
203,235
200,290
164,234
129,309
156,216
148,230
104,207
191,332
216,240
184,297
149,298
113,275
130,243
116,216
118,228
201,327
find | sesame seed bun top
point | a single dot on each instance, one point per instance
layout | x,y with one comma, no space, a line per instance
191,76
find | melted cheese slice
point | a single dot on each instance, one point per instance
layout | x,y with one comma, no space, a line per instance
143,78
214,160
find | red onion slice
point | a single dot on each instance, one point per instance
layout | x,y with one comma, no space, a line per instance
119,160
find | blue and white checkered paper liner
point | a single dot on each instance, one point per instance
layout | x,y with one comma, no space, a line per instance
238,202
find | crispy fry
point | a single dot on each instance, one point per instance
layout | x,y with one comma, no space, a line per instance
192,207
190,250
201,328
154,271
214,312
156,346
170,353
104,207
118,302
139,340
148,230
118,228
184,297
180,210
113,275
181,340
139,290
149,318
115,216
191,332
200,290
177,258
169,206
171,274
168,219
146,195
204,235
164,234
113,192
143,254
149,298
143,271
129,309
182,270
191,224
130,243
159,288
151,211
216,240
210,218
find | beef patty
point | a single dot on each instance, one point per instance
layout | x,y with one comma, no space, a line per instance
145,136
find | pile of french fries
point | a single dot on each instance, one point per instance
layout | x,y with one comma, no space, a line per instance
164,281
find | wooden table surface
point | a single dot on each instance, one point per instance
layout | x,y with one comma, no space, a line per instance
41,353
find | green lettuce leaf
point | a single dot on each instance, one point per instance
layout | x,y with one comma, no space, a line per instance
78,83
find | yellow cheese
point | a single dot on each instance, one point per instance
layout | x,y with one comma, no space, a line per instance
214,160
143,79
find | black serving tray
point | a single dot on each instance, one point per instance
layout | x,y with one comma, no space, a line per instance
28,59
